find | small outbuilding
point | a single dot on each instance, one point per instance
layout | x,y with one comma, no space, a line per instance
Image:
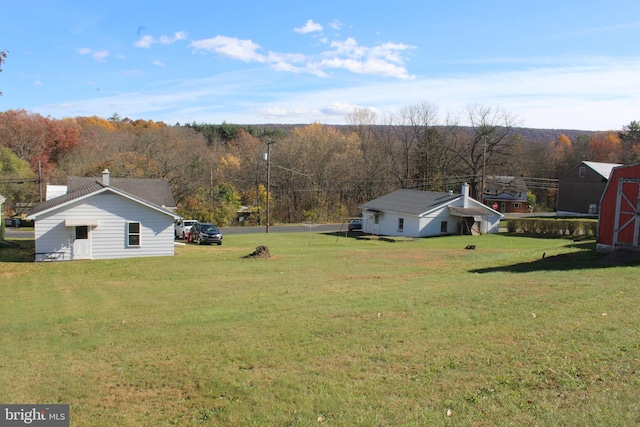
619,219
99,221
415,213
580,189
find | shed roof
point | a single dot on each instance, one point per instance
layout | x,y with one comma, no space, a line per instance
154,190
412,202
88,190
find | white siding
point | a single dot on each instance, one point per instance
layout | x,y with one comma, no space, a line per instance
109,238
430,224
427,224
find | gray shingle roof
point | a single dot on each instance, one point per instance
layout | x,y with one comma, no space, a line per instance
412,202
69,196
156,191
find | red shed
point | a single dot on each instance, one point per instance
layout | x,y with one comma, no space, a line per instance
619,221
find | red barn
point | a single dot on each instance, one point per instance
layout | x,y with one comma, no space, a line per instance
619,221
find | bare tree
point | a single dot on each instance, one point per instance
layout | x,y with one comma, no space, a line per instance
483,142
372,172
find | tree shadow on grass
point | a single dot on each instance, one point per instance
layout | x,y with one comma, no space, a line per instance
17,250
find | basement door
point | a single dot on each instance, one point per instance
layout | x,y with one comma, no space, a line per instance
627,221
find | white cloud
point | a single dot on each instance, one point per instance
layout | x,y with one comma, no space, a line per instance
145,42
309,27
38,83
339,109
335,24
100,56
244,50
179,35
383,60
159,63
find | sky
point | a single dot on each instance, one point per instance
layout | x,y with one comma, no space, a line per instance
554,64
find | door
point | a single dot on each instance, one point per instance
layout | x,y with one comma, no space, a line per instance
627,220
82,242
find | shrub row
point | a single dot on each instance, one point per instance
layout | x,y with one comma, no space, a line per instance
553,226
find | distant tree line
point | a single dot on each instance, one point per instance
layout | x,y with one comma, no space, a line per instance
318,172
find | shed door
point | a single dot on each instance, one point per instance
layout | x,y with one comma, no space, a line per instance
82,242
627,221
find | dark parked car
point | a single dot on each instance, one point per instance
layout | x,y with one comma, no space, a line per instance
355,224
204,232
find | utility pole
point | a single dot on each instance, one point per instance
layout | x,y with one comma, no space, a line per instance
268,159
484,165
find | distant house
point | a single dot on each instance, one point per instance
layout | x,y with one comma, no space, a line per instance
619,219
414,213
99,221
580,189
507,194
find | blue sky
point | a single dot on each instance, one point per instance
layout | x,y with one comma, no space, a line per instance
560,64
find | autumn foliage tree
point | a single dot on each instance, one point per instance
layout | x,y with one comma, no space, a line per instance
605,147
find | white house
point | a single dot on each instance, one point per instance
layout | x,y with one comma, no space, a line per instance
414,213
98,221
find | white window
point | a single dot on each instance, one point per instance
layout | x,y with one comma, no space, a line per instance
133,234
517,205
443,226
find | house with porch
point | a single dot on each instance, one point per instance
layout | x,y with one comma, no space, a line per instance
414,213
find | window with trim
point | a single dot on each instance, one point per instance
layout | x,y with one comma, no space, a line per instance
400,224
443,226
582,172
133,234
517,205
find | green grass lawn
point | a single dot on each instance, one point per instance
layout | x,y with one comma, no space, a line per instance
327,331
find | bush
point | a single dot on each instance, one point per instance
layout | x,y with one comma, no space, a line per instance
553,226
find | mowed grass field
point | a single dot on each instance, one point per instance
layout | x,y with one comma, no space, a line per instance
328,331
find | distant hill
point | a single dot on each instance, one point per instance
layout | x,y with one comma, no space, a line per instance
529,134
548,135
